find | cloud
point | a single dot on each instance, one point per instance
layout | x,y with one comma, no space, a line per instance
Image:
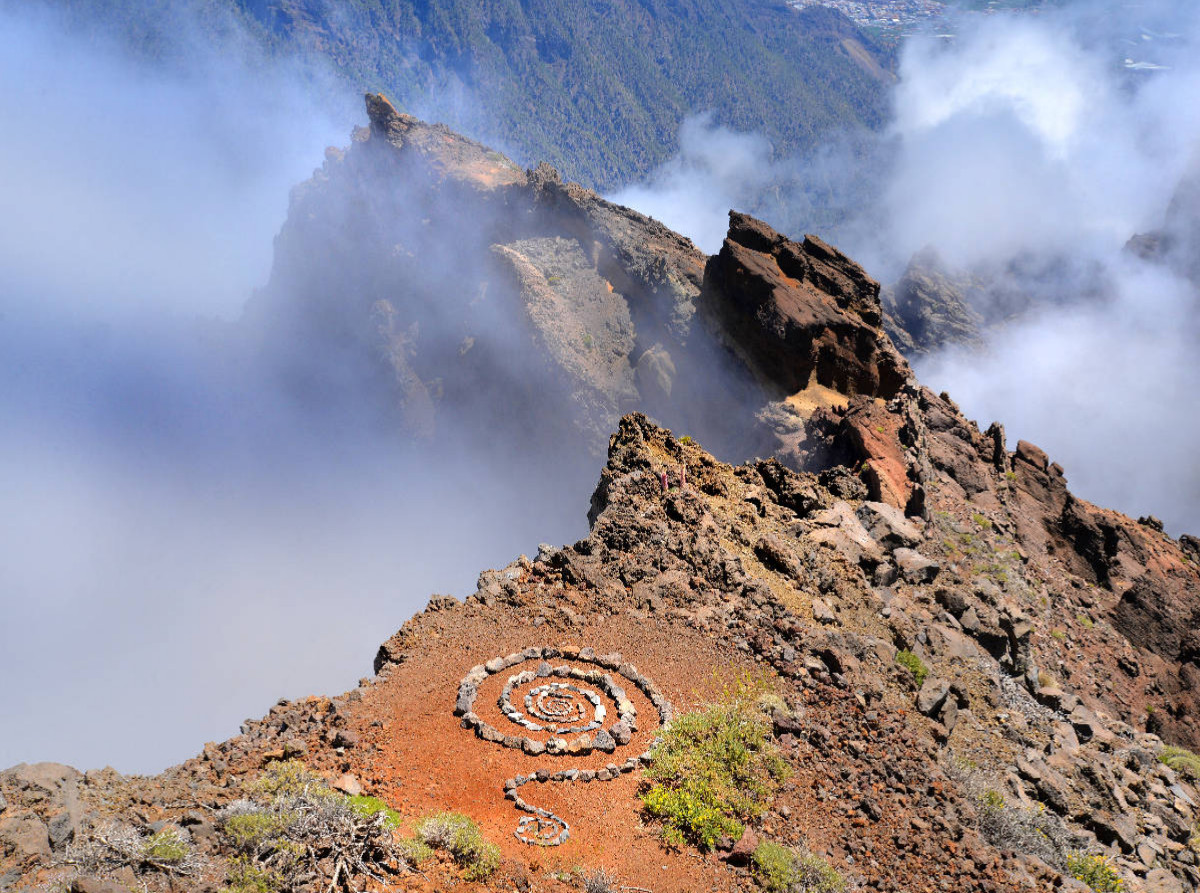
716,168
187,535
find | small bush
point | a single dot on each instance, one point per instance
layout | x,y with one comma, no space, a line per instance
113,845
244,875
1035,832
713,769
599,881
1181,760
981,521
779,869
1084,621
457,835
256,829
290,778
913,664
372,807
167,847
1095,871
414,851
296,826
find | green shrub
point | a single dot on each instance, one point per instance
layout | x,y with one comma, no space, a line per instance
457,835
1181,760
244,875
1084,621
294,822
913,664
713,769
1095,871
290,778
167,847
414,851
981,521
254,831
371,807
992,799
779,869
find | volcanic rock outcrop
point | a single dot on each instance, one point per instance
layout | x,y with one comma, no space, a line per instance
929,308
979,678
477,298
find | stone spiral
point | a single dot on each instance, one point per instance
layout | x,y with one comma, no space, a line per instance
567,702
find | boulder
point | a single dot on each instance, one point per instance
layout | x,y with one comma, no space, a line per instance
839,529
743,850
915,567
24,837
1159,880
95,885
777,555
348,785
887,525
932,696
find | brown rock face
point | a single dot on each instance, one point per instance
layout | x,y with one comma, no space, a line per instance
801,313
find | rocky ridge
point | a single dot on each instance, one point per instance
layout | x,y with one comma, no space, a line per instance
930,606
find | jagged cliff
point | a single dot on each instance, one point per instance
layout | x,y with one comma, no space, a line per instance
975,673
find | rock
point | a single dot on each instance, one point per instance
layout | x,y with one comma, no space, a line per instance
822,613
839,528
96,885
622,733
1085,723
777,555
948,716
1159,880
1111,828
932,696
915,567
930,308
604,742
579,747
887,525
348,785
24,837
466,699
743,850
803,311
41,781
345,738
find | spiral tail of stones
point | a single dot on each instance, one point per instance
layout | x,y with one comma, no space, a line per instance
568,701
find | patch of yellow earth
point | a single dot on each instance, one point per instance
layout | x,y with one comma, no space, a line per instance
816,396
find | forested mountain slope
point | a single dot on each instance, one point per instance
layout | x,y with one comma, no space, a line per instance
597,88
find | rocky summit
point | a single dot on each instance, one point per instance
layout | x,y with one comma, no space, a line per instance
928,665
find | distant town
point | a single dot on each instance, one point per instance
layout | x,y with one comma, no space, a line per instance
886,15
896,17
